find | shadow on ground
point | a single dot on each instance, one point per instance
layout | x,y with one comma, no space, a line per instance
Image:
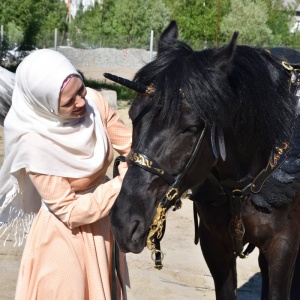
251,289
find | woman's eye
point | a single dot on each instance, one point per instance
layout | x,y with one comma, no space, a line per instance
68,103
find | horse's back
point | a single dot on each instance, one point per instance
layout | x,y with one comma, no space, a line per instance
288,54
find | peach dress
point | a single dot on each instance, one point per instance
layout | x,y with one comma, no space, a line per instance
68,252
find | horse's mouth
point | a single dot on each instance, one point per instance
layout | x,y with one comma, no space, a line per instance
133,242
134,246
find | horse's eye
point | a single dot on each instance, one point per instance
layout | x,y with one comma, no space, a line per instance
193,129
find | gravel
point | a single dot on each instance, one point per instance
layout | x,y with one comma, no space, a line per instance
107,57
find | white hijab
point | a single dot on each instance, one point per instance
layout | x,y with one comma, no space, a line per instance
38,139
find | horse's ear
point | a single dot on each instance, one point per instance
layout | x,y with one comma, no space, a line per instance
168,37
224,55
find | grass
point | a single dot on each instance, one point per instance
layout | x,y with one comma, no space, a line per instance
123,93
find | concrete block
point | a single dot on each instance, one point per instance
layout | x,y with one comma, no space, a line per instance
111,97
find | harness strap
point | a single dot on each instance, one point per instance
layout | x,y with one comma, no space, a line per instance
118,270
113,274
248,250
115,267
275,161
239,191
236,225
149,164
196,224
173,194
158,253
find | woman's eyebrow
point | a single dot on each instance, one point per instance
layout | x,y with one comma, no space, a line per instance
66,102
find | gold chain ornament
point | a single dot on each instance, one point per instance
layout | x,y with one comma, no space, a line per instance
156,226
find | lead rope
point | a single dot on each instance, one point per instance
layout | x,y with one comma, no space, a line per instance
196,224
115,267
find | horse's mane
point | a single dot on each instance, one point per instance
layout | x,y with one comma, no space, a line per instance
251,98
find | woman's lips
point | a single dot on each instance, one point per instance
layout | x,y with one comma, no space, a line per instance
79,111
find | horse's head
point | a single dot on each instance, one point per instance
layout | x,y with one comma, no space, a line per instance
173,134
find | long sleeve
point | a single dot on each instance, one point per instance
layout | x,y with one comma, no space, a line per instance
72,209
120,136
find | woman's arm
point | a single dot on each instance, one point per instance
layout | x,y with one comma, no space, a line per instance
72,209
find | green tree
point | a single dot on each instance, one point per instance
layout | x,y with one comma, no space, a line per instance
32,17
14,33
198,20
134,19
54,16
280,21
250,19
85,29
121,23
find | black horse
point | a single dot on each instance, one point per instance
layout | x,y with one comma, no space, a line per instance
221,124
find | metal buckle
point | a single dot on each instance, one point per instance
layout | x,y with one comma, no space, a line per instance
171,194
287,66
237,193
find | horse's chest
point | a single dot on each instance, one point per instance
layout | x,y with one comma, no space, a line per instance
261,224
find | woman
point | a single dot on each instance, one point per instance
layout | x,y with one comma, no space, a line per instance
59,141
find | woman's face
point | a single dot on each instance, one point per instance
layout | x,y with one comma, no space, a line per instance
72,99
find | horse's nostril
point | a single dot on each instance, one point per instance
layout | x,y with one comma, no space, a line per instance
135,231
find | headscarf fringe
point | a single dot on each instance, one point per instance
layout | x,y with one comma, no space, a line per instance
10,195
17,227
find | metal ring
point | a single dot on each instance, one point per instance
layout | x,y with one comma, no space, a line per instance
287,66
157,251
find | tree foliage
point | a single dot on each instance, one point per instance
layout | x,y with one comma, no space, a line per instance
250,19
261,22
120,22
199,20
128,23
85,29
280,20
32,18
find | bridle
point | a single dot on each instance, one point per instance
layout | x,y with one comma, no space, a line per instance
173,195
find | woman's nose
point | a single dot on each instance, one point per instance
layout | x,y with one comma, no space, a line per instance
80,101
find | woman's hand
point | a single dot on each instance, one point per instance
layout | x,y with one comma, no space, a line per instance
122,167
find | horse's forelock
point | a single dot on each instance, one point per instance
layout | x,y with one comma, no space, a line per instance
183,73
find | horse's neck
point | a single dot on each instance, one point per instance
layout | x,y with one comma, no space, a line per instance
236,166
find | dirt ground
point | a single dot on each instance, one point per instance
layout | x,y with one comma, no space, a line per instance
184,275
